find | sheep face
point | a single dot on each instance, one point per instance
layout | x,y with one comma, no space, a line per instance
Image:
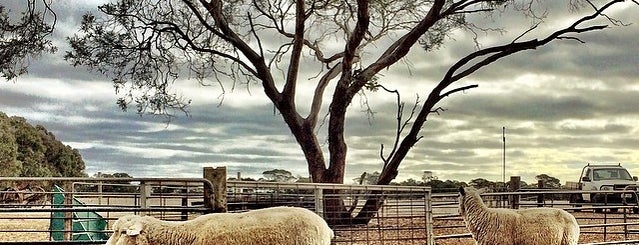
462,205
126,231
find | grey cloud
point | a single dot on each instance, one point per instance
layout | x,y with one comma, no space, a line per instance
19,100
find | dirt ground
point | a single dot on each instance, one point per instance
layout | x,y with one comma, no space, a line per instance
21,227
588,235
33,226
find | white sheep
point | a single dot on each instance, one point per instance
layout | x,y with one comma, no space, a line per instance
277,225
500,226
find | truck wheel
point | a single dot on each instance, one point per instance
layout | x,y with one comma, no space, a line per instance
597,200
577,200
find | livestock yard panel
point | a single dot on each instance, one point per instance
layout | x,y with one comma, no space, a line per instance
600,223
78,210
394,214
402,215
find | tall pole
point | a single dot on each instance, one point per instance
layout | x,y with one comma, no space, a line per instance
503,169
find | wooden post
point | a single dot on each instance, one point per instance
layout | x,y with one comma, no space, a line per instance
540,197
68,215
514,186
215,199
185,202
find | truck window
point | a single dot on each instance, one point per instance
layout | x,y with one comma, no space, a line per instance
610,174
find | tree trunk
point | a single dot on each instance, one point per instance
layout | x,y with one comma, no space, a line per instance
334,209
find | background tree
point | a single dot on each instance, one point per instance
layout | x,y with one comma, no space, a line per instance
482,183
120,185
146,45
28,151
367,178
279,175
445,186
548,181
8,149
24,35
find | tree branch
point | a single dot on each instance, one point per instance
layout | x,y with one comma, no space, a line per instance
350,50
296,53
215,9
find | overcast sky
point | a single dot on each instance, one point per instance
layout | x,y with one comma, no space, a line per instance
563,105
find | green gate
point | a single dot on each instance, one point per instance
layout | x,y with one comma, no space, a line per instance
87,226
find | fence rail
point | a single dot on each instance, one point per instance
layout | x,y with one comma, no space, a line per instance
409,215
78,210
404,218
600,223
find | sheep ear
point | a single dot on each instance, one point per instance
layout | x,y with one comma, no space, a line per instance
462,191
134,229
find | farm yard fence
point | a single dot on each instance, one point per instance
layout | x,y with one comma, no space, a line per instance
600,223
409,215
405,216
71,213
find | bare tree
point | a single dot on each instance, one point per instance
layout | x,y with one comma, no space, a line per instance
146,45
24,36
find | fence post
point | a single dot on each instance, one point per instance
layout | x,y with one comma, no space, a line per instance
185,202
144,194
540,197
319,201
514,186
68,214
217,176
429,218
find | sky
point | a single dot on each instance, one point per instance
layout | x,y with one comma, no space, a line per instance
563,105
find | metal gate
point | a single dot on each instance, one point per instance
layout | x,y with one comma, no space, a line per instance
77,210
404,218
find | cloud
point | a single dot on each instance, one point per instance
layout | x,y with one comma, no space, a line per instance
563,105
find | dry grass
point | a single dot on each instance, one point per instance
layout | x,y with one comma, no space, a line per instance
21,227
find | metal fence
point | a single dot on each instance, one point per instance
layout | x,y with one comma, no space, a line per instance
403,218
407,215
600,223
67,208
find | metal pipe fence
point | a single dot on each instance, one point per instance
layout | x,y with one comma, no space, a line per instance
78,210
600,223
400,214
404,216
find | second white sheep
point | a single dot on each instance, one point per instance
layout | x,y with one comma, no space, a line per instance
500,226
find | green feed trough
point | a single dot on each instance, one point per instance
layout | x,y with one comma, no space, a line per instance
87,226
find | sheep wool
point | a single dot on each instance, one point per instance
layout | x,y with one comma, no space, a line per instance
500,226
278,225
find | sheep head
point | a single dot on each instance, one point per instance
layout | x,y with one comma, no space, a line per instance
462,206
127,230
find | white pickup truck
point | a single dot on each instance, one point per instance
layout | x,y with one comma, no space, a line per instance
605,178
